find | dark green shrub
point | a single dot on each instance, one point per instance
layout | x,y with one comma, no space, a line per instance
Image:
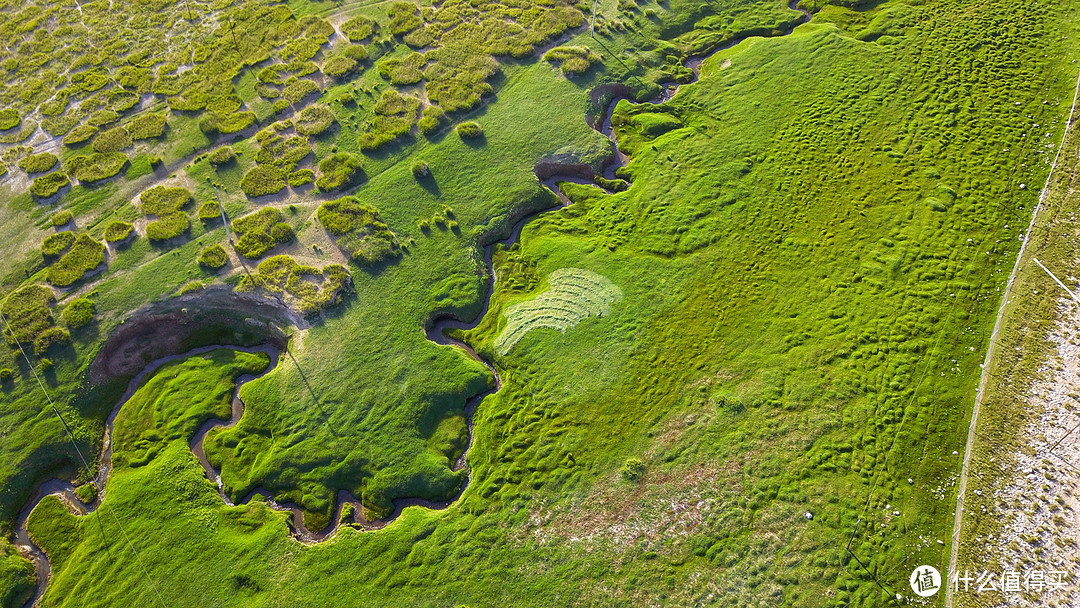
9,119
160,200
61,218
295,91
168,226
6,374
261,181
221,156
313,120
404,18
573,60
96,166
80,134
282,233
102,118
301,177
470,130
632,470
358,230
356,52
45,365
118,231
48,184
339,66
147,126
338,171
420,169
55,244
77,313
85,255
358,28
403,71
112,140
255,232
38,163
280,105
209,211
430,119
27,312
213,257
49,338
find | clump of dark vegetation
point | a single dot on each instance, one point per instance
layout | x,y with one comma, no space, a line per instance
337,171
573,60
301,177
395,115
49,184
80,134
9,119
313,120
470,130
38,163
262,181
209,211
53,336
77,313
28,313
306,288
213,257
358,28
221,156
118,231
113,140
632,470
223,116
166,204
260,232
61,218
430,120
147,126
358,230
85,255
96,166
57,243
420,169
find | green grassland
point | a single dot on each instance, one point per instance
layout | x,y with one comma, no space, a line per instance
782,314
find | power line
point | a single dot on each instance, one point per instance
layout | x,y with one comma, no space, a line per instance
86,465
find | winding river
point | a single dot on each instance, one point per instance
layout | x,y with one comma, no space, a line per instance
436,333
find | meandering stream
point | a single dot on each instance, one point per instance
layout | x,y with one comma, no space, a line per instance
436,333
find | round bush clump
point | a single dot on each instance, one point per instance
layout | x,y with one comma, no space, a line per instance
96,166
339,66
38,163
632,470
48,184
301,177
55,244
9,119
45,365
61,218
113,140
85,255
209,211
222,156
337,171
213,257
6,374
261,181
168,226
147,126
314,120
470,130
77,313
420,169
51,337
80,134
117,231
282,232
